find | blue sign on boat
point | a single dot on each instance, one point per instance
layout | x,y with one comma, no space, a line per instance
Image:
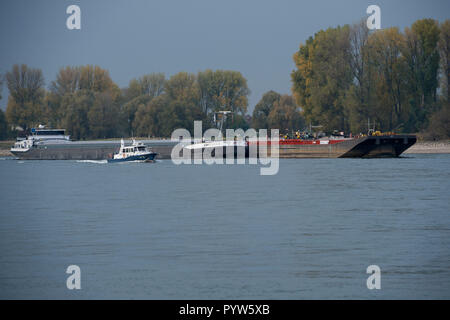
33,130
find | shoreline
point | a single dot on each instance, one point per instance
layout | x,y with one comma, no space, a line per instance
5,153
429,147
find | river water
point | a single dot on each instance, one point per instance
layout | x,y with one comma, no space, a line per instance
161,231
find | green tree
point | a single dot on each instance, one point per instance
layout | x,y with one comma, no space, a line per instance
86,102
177,107
1,85
184,103
140,92
25,103
83,78
422,58
322,77
285,115
149,121
75,117
359,98
3,126
389,78
3,123
444,50
103,116
238,121
346,75
67,81
263,108
439,127
94,78
223,90
209,90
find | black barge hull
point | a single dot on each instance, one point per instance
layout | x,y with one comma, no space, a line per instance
363,147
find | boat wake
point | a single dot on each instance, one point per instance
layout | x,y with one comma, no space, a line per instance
137,161
93,161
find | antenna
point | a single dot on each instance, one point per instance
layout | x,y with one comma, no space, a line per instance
223,119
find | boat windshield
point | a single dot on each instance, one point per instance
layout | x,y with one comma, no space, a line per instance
141,148
49,132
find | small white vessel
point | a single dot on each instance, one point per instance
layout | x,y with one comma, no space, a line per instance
238,147
40,136
137,151
211,146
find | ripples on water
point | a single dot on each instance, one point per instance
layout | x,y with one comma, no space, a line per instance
160,231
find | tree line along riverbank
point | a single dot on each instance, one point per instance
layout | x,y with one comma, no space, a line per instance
346,78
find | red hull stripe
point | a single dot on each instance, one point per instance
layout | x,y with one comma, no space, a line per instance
299,142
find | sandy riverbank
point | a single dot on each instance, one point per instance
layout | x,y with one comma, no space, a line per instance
430,147
5,153
4,148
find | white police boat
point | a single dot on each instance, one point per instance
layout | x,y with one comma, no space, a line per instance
137,151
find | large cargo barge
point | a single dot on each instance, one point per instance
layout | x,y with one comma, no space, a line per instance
53,144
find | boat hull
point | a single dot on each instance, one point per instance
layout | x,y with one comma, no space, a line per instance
363,147
142,157
210,153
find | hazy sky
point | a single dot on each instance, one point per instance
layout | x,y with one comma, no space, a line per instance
134,37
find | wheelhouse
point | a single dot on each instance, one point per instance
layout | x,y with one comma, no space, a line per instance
139,147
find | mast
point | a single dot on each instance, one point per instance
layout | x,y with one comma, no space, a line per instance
222,120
